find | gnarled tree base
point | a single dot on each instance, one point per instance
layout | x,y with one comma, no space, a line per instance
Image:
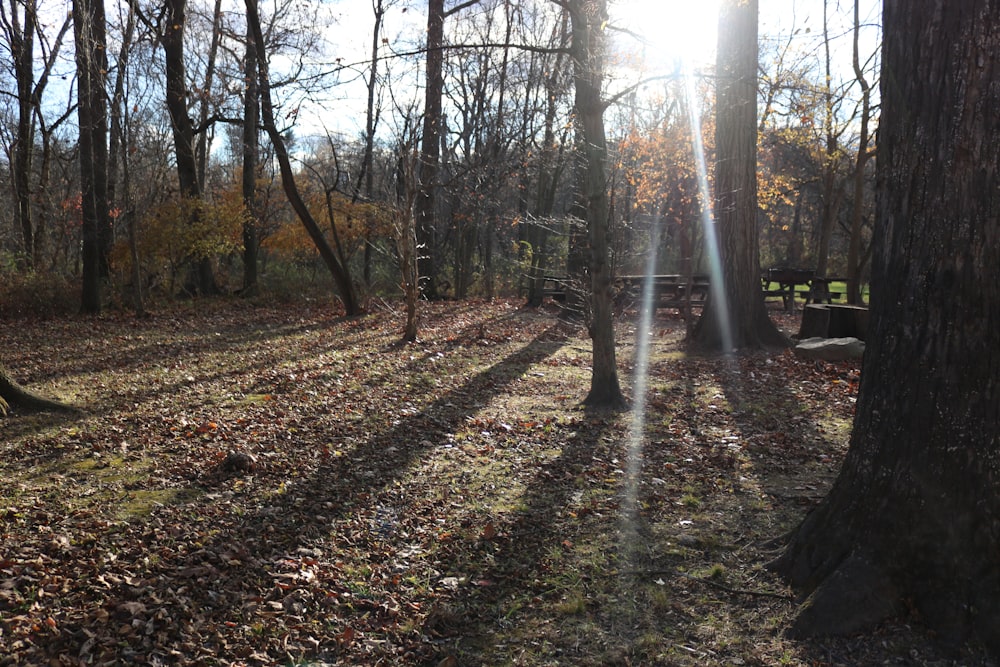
13,394
855,597
859,572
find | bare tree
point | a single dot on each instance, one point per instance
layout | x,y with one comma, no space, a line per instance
856,259
20,26
588,20
337,269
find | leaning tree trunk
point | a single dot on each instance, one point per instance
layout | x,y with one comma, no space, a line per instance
338,271
739,320
913,521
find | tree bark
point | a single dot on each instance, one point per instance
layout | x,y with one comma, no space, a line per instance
430,149
251,148
172,41
92,68
913,520
22,47
740,320
588,20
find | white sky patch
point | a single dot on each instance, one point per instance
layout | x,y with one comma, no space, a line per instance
668,32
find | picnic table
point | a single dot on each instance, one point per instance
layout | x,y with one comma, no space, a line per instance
788,280
670,290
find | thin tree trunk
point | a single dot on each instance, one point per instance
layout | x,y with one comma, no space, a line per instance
22,46
588,24
251,148
339,272
854,257
119,161
202,147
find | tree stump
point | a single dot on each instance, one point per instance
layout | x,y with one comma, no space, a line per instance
815,321
848,321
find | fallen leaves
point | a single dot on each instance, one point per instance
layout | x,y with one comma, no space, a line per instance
315,493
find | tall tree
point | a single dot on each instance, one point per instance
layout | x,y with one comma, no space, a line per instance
588,20
92,66
19,29
19,25
172,40
430,148
119,161
251,149
856,260
741,319
367,172
912,521
430,143
833,154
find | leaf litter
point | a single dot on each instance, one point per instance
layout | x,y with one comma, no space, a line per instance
264,484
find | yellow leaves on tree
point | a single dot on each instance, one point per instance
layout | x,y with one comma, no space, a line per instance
354,222
661,166
182,230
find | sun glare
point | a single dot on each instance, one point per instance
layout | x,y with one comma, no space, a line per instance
670,32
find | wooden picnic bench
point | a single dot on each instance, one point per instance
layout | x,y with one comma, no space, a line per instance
788,281
669,290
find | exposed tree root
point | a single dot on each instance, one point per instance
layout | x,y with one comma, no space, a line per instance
13,394
857,596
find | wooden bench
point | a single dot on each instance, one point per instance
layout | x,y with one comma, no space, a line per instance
805,294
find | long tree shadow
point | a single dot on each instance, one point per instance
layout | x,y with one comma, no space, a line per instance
221,567
527,564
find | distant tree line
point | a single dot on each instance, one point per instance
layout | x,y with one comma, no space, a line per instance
150,145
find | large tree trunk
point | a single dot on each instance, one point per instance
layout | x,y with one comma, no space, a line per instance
913,520
588,23
92,68
739,320
430,149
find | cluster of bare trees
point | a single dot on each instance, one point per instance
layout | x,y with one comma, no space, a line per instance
183,99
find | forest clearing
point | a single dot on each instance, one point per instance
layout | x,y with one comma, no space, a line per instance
258,485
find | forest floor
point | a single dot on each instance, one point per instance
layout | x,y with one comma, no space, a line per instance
259,485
